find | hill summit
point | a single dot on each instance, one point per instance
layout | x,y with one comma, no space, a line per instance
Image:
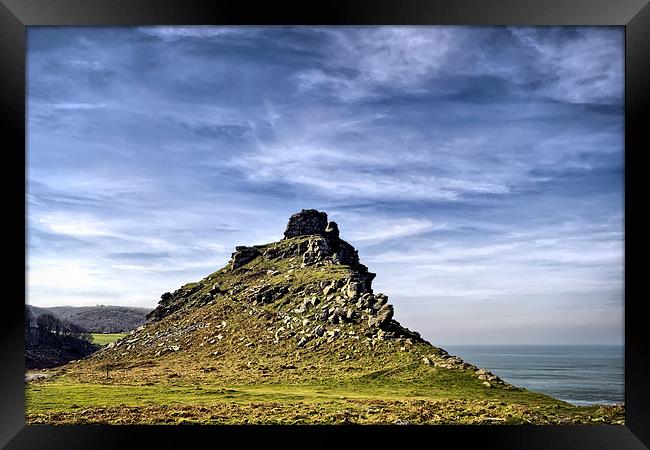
299,308
311,263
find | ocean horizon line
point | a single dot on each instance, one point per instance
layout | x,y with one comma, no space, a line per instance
530,345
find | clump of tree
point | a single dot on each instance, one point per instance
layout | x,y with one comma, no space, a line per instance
50,341
47,323
100,318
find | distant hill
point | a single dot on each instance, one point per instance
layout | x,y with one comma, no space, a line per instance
98,319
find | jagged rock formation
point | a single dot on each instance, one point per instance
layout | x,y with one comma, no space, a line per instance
347,299
306,222
304,298
243,255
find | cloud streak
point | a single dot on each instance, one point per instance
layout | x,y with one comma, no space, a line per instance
478,170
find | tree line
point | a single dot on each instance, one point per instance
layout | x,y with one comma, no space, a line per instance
48,324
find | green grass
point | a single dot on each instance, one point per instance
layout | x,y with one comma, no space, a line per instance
106,338
68,402
64,392
64,395
436,396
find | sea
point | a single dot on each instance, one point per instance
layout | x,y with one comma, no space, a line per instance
577,374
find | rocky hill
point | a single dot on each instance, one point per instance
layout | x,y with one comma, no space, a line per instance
300,308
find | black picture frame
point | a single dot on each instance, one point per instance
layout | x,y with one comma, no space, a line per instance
16,15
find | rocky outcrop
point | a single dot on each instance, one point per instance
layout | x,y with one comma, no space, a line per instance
383,317
310,243
242,256
332,230
306,222
187,296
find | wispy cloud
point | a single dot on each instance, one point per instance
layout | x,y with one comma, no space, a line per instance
387,229
74,226
583,67
478,170
366,61
174,33
78,106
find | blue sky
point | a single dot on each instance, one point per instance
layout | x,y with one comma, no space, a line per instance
478,170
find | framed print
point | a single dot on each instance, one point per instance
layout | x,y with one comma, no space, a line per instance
358,220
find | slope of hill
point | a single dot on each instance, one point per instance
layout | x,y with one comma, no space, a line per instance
100,318
287,327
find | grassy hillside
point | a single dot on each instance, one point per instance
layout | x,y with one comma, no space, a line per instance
440,397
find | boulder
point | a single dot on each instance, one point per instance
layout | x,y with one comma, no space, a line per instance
306,222
243,255
365,301
353,289
324,315
380,301
318,249
332,230
382,318
269,293
334,316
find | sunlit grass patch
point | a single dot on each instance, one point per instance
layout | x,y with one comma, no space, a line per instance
106,338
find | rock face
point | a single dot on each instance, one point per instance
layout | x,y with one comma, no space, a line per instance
332,230
243,255
306,222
